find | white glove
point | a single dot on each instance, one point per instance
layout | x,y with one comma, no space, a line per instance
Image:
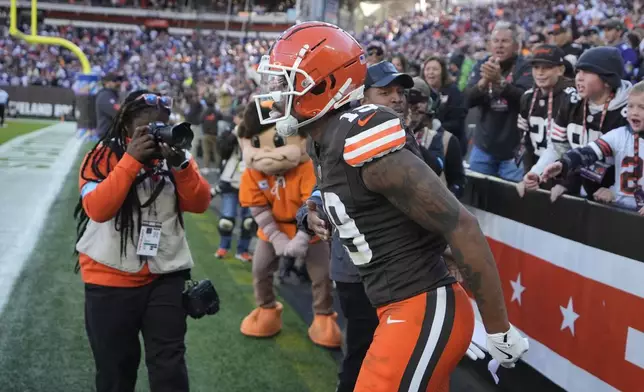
507,347
474,352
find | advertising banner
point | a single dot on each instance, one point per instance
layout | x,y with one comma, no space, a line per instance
571,273
41,102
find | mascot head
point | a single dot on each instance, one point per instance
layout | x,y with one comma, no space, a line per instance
266,151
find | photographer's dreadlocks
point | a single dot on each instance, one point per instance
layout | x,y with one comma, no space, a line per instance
113,143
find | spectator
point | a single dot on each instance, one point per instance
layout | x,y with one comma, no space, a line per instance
193,113
375,52
432,136
561,36
590,38
614,34
534,40
540,104
624,144
107,103
496,89
599,107
452,111
4,102
229,190
210,117
386,86
400,62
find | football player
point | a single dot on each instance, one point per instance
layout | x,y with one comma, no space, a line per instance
393,215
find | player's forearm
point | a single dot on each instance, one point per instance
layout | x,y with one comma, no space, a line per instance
472,254
578,157
430,204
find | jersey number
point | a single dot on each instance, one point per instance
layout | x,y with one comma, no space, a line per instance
352,115
538,133
358,247
628,179
572,92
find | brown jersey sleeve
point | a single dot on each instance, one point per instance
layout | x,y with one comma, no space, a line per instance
374,134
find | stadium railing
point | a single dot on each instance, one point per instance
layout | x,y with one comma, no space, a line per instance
572,277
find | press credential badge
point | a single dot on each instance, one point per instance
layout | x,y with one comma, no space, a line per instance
149,239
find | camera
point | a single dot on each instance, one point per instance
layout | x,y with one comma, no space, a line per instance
178,136
200,299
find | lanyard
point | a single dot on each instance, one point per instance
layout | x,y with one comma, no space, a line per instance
636,157
534,99
601,121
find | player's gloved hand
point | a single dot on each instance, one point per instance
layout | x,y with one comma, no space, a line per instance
279,241
298,246
315,222
474,352
507,347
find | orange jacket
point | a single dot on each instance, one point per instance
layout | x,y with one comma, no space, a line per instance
103,202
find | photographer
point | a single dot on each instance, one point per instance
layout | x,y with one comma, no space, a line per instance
133,186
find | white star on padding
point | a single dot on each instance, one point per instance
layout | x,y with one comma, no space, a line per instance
517,289
569,317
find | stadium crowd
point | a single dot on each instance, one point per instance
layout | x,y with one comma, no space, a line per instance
447,49
189,5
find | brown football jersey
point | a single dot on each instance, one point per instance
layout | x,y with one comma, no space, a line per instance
396,257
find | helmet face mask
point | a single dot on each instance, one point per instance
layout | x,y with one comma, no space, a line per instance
313,67
278,86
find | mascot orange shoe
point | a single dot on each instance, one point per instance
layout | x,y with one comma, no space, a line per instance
278,179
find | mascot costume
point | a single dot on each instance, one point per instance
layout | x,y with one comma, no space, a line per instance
278,179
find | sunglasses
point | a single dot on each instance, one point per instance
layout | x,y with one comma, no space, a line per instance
157,100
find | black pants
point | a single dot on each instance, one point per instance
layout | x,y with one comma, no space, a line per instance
362,322
2,107
114,317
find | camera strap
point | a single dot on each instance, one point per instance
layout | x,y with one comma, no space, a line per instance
155,193
157,189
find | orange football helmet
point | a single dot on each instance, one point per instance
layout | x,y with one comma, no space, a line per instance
312,68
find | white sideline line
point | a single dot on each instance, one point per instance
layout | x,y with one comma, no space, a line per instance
12,260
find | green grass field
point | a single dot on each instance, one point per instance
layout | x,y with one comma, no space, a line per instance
17,128
43,346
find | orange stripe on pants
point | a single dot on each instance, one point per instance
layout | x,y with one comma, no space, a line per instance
418,342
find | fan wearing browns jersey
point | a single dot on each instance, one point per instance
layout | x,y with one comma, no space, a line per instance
393,215
598,108
540,104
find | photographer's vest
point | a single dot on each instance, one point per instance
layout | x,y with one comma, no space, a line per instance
102,242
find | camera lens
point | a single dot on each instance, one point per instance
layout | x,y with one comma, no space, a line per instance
182,136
